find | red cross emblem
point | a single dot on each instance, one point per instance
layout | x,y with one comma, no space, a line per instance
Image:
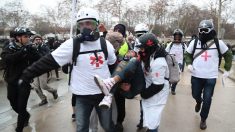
205,56
149,42
95,61
157,74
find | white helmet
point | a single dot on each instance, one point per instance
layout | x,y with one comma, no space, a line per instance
141,28
87,13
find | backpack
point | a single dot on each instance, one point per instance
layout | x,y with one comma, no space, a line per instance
76,52
183,47
174,71
216,40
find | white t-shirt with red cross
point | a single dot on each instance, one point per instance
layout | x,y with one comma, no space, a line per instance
206,65
82,77
177,50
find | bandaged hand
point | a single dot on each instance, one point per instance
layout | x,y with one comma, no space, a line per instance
226,74
190,67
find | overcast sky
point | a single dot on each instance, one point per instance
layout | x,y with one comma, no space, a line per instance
34,6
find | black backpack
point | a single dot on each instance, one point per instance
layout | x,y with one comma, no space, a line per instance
216,40
76,52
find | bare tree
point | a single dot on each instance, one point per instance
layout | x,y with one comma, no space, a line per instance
15,14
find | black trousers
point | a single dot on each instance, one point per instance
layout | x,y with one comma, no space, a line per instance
18,97
120,104
73,101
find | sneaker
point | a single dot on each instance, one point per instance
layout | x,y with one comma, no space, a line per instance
104,84
119,127
73,117
55,94
106,102
203,125
197,107
43,102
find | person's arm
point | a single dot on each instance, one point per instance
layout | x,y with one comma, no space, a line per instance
43,65
102,29
151,90
11,56
59,57
228,56
188,56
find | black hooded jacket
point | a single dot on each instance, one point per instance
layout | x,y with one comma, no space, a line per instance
17,59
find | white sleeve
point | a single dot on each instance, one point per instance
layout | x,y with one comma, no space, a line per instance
63,54
223,47
190,47
111,53
158,70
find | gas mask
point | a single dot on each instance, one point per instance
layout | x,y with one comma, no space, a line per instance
143,55
89,35
206,34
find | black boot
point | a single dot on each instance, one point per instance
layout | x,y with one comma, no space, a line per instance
43,102
203,125
73,117
119,127
197,107
26,123
55,94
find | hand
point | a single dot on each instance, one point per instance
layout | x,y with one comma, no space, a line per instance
190,67
226,74
126,87
21,83
102,28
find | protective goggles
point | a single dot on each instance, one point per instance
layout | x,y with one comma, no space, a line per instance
204,30
87,23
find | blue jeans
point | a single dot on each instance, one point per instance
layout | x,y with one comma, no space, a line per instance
206,87
173,86
130,72
84,106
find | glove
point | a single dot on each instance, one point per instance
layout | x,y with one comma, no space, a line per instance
23,84
190,67
226,74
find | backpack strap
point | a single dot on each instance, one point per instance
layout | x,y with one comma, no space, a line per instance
76,49
104,47
76,52
171,44
183,47
216,40
194,45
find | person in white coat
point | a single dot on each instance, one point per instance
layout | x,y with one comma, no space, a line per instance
156,86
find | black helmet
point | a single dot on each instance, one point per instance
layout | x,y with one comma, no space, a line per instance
205,26
178,32
22,31
148,40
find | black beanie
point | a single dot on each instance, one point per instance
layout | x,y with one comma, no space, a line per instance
121,29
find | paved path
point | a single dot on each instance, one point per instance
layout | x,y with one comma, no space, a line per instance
178,116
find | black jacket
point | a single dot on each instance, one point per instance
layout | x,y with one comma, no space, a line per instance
17,59
43,49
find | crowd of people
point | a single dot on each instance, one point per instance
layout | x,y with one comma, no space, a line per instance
105,64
